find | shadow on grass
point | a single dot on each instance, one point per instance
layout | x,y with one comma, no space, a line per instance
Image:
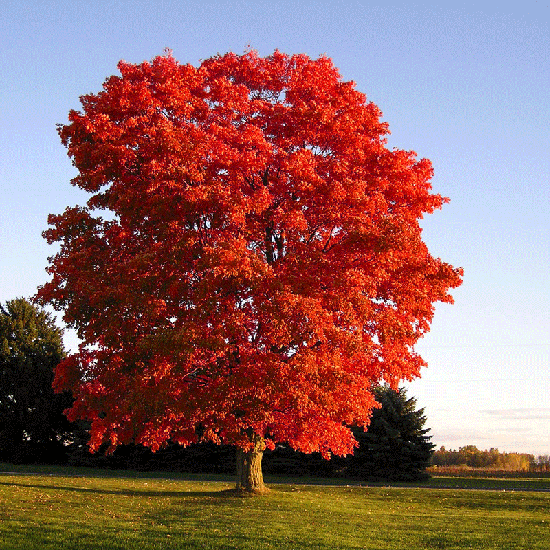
223,493
106,473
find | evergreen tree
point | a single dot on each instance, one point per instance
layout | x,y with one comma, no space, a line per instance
32,425
395,446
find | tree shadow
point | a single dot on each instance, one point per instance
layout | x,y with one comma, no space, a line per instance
222,493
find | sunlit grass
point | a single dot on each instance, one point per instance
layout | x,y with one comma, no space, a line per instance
45,512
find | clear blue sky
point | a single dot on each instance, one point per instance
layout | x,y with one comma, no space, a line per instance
466,85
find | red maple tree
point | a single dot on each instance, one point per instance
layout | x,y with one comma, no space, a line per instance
259,266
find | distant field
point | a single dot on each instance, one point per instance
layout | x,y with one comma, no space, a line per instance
494,483
484,472
120,510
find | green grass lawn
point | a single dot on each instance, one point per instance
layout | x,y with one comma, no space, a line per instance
106,510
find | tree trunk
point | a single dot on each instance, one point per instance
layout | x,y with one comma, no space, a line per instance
250,478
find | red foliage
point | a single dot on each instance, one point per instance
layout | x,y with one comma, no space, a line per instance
261,265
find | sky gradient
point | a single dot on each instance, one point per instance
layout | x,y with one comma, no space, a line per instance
465,85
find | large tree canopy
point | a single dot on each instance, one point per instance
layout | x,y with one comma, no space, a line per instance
260,264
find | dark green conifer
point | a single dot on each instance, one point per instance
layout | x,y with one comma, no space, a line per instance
396,445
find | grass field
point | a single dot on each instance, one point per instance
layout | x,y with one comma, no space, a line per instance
114,510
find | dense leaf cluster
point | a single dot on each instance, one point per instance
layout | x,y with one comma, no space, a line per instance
395,447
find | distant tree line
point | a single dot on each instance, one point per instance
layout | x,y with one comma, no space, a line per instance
472,457
33,428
